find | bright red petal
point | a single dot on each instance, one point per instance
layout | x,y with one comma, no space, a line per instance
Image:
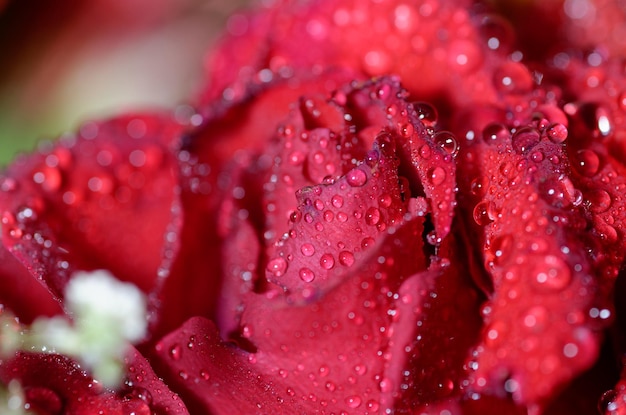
54,384
519,197
102,199
24,295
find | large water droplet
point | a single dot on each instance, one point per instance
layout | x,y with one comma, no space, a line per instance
353,401
549,273
484,213
277,266
306,274
346,258
557,133
307,249
599,200
586,162
437,175
446,141
496,133
525,139
372,216
426,113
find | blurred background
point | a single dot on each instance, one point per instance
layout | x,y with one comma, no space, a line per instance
65,62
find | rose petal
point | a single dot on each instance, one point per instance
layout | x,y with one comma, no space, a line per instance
373,38
302,356
25,296
54,384
94,201
227,131
214,377
318,253
449,324
519,197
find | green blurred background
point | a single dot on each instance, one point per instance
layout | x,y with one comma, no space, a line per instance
67,62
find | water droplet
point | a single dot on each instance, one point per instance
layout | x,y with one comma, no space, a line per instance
8,184
367,242
513,77
307,249
525,138
296,158
608,402
497,33
386,385
327,261
426,113
306,275
337,201
535,318
586,162
478,186
446,141
353,401
372,216
549,273
496,133
557,133
26,214
49,178
346,258
176,352
599,200
484,213
559,192
437,175
277,266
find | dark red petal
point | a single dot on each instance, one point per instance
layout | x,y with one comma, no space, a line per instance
427,156
520,199
143,386
227,133
435,47
335,225
304,359
23,295
449,324
102,199
54,384
217,378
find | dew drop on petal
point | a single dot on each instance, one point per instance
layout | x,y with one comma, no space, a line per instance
447,142
277,266
372,216
495,133
525,139
176,352
599,200
306,275
586,162
484,213
356,178
426,113
307,249
346,258
557,133
550,273
353,401
327,261
337,201
437,175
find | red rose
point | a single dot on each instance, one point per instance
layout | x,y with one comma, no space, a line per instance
377,208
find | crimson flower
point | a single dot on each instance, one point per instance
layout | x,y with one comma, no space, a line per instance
374,207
